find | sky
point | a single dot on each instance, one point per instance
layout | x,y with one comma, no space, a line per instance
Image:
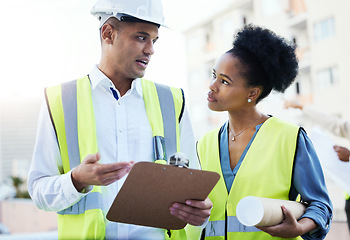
45,42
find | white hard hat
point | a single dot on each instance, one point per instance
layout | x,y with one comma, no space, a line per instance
126,10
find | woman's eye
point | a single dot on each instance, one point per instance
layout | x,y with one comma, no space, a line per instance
142,38
224,82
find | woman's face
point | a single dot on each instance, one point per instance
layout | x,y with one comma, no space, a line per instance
228,90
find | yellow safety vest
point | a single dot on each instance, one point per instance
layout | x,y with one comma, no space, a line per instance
72,115
266,171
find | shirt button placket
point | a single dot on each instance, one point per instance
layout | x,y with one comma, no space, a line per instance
121,132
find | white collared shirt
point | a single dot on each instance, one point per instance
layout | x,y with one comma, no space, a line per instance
123,134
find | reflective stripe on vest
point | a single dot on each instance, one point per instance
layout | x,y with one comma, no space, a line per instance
217,228
262,175
69,104
91,201
162,106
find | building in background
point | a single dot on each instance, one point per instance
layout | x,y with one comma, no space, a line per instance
320,32
18,124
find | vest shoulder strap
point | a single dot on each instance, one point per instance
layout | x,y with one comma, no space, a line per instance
164,107
71,112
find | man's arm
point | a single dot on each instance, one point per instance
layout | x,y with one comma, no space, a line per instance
50,189
336,125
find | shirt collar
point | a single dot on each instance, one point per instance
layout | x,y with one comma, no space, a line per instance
97,77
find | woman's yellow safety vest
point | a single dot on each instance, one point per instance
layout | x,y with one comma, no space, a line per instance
72,115
266,171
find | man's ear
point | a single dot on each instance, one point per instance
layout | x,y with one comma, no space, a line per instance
107,32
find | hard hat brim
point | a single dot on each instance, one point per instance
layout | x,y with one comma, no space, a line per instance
103,17
127,18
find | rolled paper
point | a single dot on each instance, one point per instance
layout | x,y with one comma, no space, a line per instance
257,211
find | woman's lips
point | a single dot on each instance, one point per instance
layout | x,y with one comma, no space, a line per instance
211,98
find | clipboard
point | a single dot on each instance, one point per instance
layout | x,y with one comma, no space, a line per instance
151,188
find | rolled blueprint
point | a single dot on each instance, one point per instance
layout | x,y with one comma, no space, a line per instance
257,211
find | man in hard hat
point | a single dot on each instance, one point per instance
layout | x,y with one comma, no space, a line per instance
92,130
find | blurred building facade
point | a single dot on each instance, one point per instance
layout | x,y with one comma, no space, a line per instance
18,124
318,29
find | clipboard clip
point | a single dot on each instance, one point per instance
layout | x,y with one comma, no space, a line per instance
179,160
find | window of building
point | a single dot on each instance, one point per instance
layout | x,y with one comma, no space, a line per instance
324,29
327,77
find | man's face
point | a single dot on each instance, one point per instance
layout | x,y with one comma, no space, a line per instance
132,49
